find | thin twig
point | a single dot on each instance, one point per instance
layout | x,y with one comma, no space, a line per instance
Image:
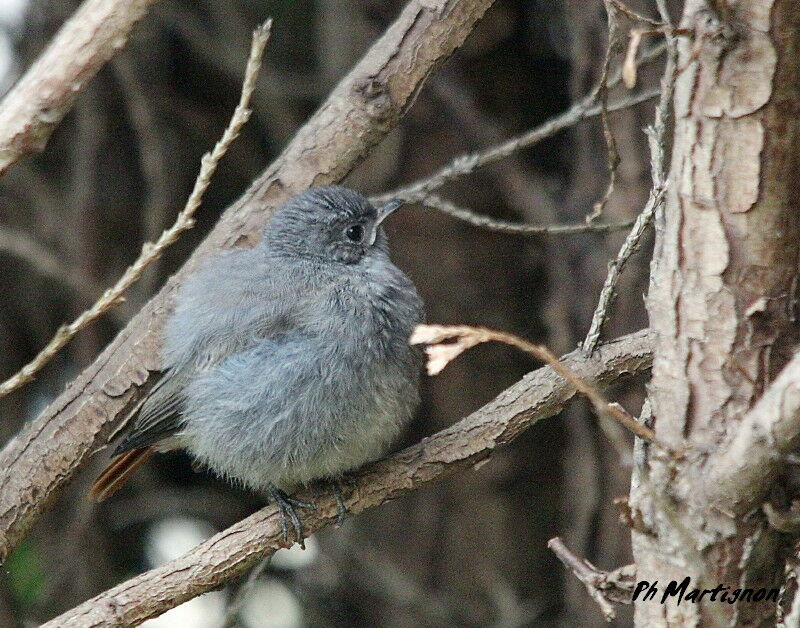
612,154
441,352
633,15
469,162
629,65
152,251
492,224
656,134
604,587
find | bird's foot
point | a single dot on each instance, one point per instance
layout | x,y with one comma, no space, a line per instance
289,514
341,509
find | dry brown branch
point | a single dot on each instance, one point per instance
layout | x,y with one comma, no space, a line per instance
152,251
656,137
359,113
492,224
38,102
472,440
605,588
444,343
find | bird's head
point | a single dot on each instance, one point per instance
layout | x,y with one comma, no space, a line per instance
331,222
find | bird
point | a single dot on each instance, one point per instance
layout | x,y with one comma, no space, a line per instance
286,363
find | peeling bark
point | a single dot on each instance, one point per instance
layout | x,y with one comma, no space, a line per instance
721,302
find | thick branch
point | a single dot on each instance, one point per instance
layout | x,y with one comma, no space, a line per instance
39,101
472,440
740,474
358,114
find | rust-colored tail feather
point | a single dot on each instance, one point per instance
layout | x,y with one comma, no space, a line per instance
118,472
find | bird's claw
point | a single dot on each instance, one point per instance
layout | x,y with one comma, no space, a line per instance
289,514
341,509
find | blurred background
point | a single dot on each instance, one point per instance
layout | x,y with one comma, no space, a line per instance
467,551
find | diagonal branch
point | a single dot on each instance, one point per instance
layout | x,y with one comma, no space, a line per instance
469,442
443,343
739,475
360,111
605,588
44,95
466,164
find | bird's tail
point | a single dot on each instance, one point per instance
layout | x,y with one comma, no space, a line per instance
118,472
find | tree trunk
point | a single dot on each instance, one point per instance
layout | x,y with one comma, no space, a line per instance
722,300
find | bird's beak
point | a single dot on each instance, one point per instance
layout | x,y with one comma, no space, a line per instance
383,212
387,209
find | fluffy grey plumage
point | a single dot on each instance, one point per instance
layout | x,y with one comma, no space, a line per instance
290,362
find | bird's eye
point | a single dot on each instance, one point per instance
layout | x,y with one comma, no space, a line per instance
354,233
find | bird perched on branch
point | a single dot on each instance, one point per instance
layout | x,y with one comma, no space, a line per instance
288,362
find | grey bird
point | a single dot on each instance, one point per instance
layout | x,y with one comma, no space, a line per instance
289,362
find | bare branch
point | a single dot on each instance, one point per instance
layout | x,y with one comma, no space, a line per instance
360,111
601,585
739,474
656,139
152,251
472,440
633,15
39,101
468,163
612,154
492,224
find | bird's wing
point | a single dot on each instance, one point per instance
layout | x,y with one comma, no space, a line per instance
159,416
219,314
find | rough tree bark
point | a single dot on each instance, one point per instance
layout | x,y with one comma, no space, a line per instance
358,114
722,303
31,111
